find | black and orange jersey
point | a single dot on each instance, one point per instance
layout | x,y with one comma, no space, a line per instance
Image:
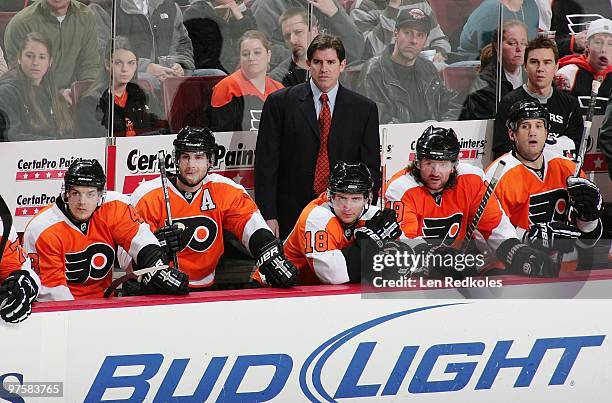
528,198
220,204
76,262
446,216
13,256
237,103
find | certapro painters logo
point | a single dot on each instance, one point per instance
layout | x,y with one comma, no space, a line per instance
470,149
29,205
235,162
43,169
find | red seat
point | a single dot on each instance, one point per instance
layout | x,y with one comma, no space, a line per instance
4,20
78,88
186,100
460,78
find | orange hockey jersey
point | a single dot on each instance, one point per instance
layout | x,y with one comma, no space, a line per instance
447,218
220,204
525,197
14,257
76,263
314,245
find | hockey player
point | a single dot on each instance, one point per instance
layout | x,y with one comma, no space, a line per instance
537,184
436,198
322,243
20,284
206,204
73,242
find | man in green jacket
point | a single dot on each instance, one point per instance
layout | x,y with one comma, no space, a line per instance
70,27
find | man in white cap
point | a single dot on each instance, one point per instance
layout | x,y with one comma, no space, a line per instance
577,72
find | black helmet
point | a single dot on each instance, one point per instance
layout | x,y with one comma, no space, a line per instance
526,109
196,139
85,173
438,143
351,178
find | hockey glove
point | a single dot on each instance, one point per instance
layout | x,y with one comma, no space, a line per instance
383,225
439,263
170,237
17,293
552,236
525,260
585,197
167,281
272,264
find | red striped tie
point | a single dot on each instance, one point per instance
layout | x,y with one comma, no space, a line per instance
322,169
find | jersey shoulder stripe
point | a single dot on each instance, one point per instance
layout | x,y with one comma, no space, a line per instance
46,218
399,184
467,169
144,188
216,178
112,196
511,163
318,218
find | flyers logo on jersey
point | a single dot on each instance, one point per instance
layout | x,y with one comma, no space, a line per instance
94,262
200,233
548,206
446,228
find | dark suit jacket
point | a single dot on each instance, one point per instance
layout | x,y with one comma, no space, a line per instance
288,143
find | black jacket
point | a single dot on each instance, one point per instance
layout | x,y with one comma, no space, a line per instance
605,136
481,102
379,82
141,112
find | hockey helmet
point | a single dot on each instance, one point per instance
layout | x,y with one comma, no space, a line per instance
526,109
438,143
195,139
349,177
85,172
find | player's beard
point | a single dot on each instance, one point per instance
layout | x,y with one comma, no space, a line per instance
191,183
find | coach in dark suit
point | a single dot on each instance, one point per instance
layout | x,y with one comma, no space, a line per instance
305,130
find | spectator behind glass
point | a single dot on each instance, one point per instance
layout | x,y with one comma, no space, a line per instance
135,110
238,99
577,72
377,21
214,29
69,27
407,87
566,123
567,42
482,101
31,107
330,16
479,28
154,28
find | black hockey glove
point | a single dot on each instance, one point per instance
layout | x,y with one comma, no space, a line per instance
440,263
17,293
170,237
525,260
585,197
167,281
552,236
383,225
275,268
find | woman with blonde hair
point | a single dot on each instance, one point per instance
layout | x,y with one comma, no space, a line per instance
31,107
238,99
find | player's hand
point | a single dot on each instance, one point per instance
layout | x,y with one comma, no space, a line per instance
170,237
277,270
585,198
167,281
561,83
383,225
17,293
66,93
525,260
552,236
273,224
440,261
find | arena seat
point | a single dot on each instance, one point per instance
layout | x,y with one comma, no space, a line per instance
4,20
460,78
452,16
78,88
186,100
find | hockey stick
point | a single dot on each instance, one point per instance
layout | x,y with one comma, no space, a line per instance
161,160
130,276
584,141
469,233
7,223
